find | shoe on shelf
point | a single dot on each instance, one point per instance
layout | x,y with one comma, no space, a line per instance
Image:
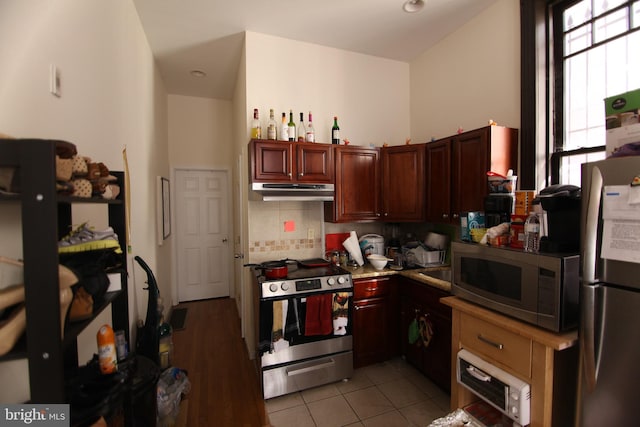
84,239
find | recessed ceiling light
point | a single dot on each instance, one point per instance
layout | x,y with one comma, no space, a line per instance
198,73
412,6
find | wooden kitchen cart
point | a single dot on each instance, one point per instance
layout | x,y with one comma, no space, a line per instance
547,361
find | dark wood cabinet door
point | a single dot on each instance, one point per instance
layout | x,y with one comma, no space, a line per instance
370,332
410,310
314,163
433,358
271,161
436,361
403,183
474,153
470,163
438,181
357,181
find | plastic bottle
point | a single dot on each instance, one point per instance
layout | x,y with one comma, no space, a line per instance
165,345
107,350
532,233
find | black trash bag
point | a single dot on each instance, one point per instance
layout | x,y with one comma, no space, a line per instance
93,394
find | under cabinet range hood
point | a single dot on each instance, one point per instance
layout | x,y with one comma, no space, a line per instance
271,192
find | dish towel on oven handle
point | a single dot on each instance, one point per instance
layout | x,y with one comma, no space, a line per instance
340,313
280,309
318,319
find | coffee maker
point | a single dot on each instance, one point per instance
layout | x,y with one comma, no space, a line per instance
498,208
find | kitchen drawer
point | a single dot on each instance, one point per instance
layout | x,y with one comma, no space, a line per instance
491,341
371,288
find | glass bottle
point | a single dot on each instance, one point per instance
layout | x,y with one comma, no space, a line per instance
532,233
335,132
284,130
311,132
271,127
301,129
292,127
256,129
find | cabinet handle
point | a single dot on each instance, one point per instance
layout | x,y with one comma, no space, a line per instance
491,343
445,216
370,289
301,173
455,216
357,307
289,173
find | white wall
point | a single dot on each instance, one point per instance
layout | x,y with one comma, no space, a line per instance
112,97
370,95
471,76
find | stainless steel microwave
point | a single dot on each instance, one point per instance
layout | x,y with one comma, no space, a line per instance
538,288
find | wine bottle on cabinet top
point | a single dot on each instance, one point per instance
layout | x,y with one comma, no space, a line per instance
311,132
284,129
335,132
271,126
292,127
302,132
256,129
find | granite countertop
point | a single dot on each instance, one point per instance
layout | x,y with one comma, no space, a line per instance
367,271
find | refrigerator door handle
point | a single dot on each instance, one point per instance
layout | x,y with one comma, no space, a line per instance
587,334
590,233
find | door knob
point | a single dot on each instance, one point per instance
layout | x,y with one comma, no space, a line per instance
238,256
225,240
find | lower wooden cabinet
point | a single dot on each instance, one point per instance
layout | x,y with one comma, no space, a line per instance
430,353
375,320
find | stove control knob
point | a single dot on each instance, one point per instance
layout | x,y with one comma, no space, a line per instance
284,286
273,287
341,280
331,281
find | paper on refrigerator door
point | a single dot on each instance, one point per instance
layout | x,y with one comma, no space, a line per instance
621,224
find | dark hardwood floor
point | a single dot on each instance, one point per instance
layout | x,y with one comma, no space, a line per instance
224,385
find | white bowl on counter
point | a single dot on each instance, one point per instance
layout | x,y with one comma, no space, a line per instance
378,261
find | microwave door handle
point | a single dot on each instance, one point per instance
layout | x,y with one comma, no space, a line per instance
587,334
478,374
590,221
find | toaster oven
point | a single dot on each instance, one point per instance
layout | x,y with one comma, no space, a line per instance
503,391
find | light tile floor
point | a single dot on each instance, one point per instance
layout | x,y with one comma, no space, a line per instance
389,394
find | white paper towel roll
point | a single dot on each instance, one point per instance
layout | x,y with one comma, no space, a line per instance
353,246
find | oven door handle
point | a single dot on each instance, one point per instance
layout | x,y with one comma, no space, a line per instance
321,365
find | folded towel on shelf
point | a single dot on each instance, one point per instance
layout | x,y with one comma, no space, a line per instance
340,313
318,319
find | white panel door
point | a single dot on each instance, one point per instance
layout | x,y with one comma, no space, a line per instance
202,223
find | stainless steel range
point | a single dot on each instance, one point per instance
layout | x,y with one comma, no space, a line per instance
303,324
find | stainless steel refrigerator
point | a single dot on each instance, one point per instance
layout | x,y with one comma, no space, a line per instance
609,331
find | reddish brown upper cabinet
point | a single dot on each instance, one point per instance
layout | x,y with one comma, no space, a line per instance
282,161
357,180
456,170
403,183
